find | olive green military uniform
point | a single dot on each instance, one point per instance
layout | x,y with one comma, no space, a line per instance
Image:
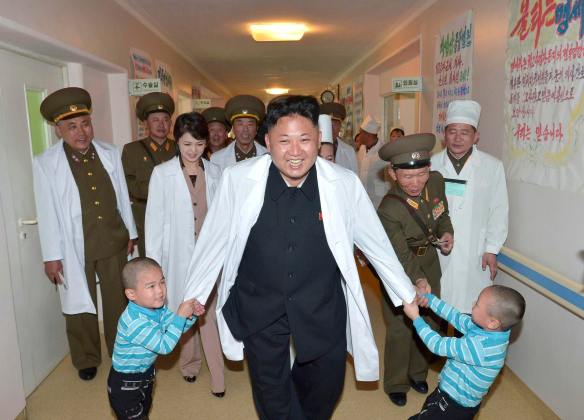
105,236
105,246
405,355
140,157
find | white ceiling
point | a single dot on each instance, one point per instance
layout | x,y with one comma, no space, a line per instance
213,35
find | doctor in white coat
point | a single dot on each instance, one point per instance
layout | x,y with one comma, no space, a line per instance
346,217
83,228
477,199
244,112
179,194
372,170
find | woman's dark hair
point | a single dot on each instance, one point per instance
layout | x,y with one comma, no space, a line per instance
192,123
286,105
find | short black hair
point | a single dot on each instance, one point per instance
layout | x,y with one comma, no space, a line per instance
194,124
134,267
286,105
508,306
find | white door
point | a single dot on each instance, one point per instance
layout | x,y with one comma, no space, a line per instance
42,340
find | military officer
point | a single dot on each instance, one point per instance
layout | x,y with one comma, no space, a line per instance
85,225
345,154
218,129
415,216
140,157
244,112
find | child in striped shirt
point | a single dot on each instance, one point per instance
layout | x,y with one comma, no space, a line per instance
145,329
475,359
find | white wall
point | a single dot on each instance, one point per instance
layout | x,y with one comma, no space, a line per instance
544,224
104,30
96,82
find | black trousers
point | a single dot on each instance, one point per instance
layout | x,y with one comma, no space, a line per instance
439,405
130,394
307,391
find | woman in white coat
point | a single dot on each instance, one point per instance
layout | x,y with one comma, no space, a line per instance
180,192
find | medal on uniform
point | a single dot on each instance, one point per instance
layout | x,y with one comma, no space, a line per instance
413,203
438,209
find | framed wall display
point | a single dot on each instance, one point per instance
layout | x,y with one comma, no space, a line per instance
327,96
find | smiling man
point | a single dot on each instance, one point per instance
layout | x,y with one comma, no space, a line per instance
85,224
415,216
244,113
283,227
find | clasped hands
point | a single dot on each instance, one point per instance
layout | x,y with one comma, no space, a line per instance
412,310
189,308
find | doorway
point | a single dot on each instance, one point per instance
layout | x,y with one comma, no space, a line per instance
401,110
40,325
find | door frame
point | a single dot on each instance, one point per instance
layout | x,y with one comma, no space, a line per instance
30,43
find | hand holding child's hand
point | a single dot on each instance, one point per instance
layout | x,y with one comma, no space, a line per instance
186,308
411,310
199,309
422,301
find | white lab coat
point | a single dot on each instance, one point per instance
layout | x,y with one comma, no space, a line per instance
225,158
373,173
59,215
479,219
169,226
348,217
346,156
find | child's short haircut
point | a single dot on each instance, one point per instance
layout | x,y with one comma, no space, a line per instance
133,268
509,306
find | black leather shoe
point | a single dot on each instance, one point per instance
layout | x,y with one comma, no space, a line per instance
190,379
218,394
87,374
398,398
420,386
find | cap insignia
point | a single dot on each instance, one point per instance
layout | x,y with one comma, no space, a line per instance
72,108
244,111
416,155
159,107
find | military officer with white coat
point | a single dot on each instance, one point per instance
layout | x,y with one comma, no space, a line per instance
244,113
85,224
283,227
372,170
477,198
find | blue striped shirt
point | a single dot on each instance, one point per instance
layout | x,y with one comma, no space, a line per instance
474,361
145,333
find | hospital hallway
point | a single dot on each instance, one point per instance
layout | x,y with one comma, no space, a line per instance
481,103
62,396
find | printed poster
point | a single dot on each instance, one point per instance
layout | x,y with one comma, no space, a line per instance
165,75
544,98
347,101
141,64
357,105
452,68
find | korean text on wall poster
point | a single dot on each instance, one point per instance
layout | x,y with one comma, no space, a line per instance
544,110
452,67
